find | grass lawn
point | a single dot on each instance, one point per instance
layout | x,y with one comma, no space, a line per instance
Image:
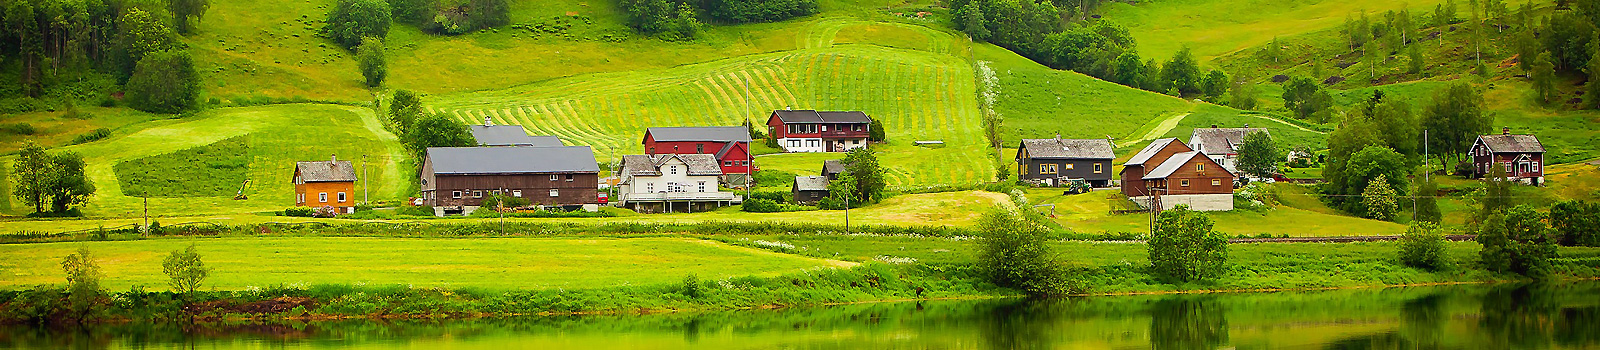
931,209
1299,216
1213,28
212,170
60,128
499,263
279,135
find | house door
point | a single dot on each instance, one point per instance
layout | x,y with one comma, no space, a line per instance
827,146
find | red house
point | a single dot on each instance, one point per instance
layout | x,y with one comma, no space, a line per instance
1522,156
814,131
730,144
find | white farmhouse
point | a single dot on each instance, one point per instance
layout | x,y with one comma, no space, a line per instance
672,182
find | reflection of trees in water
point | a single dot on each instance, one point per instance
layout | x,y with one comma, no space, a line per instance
1518,316
1183,323
1424,320
1020,325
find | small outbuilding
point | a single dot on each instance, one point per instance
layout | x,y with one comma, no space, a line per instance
330,183
809,190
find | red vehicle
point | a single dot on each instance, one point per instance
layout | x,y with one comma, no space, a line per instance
605,197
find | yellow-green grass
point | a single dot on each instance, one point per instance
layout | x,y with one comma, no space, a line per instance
501,263
918,95
1213,28
930,209
1038,102
56,129
279,136
1574,181
1091,213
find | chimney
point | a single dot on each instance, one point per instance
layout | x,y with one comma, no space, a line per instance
1505,130
487,121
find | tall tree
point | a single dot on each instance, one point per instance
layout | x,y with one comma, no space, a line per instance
1182,72
1544,79
186,14
1243,96
140,34
373,65
971,19
863,164
31,174
1306,98
1258,155
351,20
71,185
1378,199
436,130
1454,118
1414,61
1216,83
1577,222
1129,70
1427,205
164,82
404,108
1592,87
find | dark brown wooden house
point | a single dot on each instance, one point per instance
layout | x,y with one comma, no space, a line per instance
1151,156
810,189
1521,156
1167,173
461,177
1052,162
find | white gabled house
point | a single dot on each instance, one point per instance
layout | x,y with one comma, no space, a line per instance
672,182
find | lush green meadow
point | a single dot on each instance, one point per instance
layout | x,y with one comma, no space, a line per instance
1213,28
279,135
501,263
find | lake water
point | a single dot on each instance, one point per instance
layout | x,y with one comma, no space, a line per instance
1506,316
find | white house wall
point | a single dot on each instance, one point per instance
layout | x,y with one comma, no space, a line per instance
801,144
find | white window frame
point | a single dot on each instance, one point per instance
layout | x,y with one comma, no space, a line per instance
1535,166
455,194
516,193
342,197
477,194
649,187
301,198
555,192
554,177
322,197
702,186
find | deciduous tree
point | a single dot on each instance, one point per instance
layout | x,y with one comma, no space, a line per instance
1243,96
1544,79
1259,155
351,20
1182,72
1014,252
1577,222
186,14
374,67
1185,248
862,163
1422,246
185,271
1517,241
164,82
1378,199
1454,118
1216,84
436,130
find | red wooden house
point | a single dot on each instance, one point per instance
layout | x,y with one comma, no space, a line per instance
817,131
730,144
1522,156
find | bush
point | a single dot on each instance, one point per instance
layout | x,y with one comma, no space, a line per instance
494,201
670,19
1422,246
760,205
1517,240
351,20
19,128
414,210
747,11
1185,248
1014,253
92,136
304,212
1464,169
776,197
164,82
1577,222
691,287
184,270
371,58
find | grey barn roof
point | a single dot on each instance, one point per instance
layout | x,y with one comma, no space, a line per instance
644,165
1172,164
830,167
510,135
1220,140
1068,148
810,116
1150,151
326,171
810,183
512,160
700,133
1512,143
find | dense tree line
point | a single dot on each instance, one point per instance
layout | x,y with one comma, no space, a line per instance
56,41
680,19
1383,138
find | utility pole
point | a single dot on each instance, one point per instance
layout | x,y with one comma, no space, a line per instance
146,214
365,184
847,214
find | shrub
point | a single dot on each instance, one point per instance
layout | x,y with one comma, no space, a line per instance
1517,240
691,287
351,20
1422,246
776,197
1013,252
759,205
1378,199
414,210
371,58
325,212
1577,222
747,11
83,282
510,202
1184,247
164,82
304,212
19,128
92,136
184,270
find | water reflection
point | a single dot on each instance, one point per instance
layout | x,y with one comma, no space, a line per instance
1536,316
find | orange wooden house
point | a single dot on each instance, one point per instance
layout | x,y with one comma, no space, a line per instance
330,183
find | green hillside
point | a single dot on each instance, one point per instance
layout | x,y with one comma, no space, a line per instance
1215,28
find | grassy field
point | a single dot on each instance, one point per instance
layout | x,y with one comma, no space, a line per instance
279,135
1090,213
1214,28
933,209
505,263
213,170
60,128
925,94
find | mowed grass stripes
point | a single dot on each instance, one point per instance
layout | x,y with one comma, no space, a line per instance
918,95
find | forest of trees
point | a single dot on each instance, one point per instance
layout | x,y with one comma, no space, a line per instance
63,52
681,19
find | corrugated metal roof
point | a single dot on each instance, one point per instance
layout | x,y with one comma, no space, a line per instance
510,135
701,133
1069,148
1151,150
810,116
326,171
1172,164
512,160
811,183
1512,143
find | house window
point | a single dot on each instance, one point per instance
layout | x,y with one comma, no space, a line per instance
455,194
702,186
651,151
1200,167
477,194
1071,166
1216,182
494,193
699,148
554,177
555,192
569,177
1536,167
341,197
516,193
727,163
794,143
673,169
1047,168
824,128
1185,182
858,127
649,187
1096,168
301,198
322,197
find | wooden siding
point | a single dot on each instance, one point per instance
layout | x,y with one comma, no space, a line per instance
311,190
583,189
1133,183
1200,181
1518,170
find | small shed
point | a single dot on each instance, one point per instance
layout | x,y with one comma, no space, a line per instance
832,168
810,189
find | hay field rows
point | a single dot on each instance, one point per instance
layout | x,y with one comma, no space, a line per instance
918,95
